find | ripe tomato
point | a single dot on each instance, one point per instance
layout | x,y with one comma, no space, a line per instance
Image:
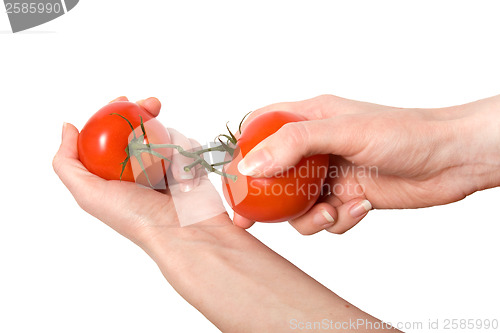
280,198
105,136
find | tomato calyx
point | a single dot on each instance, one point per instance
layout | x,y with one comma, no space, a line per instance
231,140
137,146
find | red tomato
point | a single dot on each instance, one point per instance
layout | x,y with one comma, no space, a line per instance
104,138
280,198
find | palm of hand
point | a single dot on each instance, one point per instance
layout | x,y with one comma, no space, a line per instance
137,212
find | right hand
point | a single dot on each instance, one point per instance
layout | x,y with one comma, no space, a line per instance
381,157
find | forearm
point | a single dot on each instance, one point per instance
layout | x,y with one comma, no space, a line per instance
241,285
480,137
470,135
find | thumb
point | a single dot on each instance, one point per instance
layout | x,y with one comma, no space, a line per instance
294,141
151,104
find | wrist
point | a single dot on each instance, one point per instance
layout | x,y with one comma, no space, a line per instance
473,141
170,241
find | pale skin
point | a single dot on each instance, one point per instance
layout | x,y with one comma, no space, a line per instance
238,271
417,157
222,269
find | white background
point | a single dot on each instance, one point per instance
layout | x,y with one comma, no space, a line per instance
62,270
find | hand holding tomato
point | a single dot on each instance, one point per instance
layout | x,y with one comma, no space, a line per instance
106,144
137,212
382,156
283,197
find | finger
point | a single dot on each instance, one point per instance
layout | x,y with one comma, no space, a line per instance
151,104
296,140
320,107
242,222
312,108
69,138
202,200
184,178
320,217
303,108
120,99
350,214
199,170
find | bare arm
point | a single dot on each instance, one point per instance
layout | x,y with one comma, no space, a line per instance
241,285
237,282
414,157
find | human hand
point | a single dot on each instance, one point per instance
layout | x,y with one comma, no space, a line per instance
209,262
137,212
381,157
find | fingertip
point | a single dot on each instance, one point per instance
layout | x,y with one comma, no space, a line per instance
257,163
318,218
322,216
199,171
186,186
242,222
194,143
67,156
360,208
151,104
182,176
329,213
70,127
68,147
350,214
65,124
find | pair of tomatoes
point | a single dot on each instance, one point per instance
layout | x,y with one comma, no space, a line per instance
104,149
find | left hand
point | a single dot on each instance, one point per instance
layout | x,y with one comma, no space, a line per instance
137,212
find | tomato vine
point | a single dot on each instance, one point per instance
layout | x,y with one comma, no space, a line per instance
137,146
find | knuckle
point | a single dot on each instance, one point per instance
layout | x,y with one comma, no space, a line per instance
56,163
324,97
296,134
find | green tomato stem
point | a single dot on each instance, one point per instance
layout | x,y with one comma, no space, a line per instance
137,146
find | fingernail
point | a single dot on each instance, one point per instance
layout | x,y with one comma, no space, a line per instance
360,209
186,187
63,129
186,175
323,218
255,162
